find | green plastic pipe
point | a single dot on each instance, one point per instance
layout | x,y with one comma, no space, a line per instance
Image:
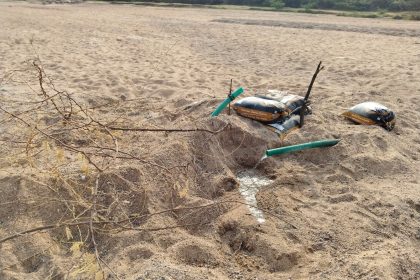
223,105
304,146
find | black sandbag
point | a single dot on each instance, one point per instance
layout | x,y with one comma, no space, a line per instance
371,113
261,109
274,106
279,110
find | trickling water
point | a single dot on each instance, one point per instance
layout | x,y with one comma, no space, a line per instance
250,182
258,163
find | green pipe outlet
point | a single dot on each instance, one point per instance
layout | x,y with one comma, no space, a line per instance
304,146
223,105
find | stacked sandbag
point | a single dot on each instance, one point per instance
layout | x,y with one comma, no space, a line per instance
279,110
274,107
261,109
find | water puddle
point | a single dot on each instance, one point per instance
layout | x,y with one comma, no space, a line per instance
250,181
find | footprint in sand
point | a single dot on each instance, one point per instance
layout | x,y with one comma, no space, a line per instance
166,92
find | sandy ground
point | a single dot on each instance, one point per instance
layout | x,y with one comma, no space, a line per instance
347,212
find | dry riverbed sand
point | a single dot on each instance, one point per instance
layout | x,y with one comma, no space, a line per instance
347,212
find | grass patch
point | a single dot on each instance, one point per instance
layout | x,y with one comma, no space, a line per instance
379,14
362,15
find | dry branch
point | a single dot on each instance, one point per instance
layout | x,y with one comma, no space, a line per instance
100,147
168,129
92,222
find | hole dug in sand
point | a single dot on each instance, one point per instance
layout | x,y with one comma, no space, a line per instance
218,158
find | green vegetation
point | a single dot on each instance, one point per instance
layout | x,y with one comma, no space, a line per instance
342,5
277,4
395,9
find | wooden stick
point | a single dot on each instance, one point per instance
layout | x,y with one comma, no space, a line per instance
167,129
230,92
318,69
308,92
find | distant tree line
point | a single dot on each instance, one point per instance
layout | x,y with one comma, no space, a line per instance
347,5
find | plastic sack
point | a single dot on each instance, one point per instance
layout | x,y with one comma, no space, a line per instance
371,113
261,109
291,101
275,106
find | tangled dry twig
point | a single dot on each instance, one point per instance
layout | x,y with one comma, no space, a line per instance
56,121
60,138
